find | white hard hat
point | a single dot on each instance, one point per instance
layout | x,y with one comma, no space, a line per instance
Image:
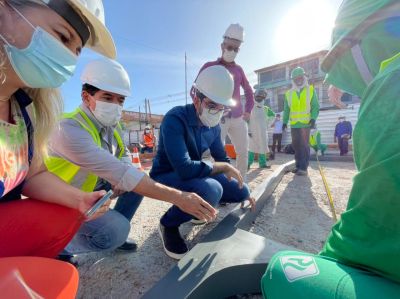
92,13
235,31
108,75
216,83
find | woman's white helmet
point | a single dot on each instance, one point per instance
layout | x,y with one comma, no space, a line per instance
216,83
92,13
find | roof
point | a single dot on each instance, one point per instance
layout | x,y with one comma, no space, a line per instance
321,53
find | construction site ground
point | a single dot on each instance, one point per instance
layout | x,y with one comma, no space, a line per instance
297,214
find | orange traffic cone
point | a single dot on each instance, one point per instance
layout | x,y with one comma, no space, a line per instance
135,159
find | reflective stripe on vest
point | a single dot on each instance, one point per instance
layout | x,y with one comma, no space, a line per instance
300,108
68,171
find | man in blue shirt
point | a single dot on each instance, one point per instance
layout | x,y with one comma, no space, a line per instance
186,133
343,132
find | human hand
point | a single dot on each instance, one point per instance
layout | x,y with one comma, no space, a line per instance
232,173
101,211
246,116
335,95
252,203
89,199
312,123
194,205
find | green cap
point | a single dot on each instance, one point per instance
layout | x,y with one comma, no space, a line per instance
297,72
352,15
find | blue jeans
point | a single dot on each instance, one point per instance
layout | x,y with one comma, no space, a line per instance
109,231
213,189
301,146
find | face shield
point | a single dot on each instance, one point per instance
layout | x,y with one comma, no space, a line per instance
354,62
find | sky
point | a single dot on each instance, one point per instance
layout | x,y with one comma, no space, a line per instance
153,36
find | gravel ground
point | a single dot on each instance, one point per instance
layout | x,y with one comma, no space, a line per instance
130,275
299,213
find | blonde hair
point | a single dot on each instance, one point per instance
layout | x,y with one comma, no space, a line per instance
47,104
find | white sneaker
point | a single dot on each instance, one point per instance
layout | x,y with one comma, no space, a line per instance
198,222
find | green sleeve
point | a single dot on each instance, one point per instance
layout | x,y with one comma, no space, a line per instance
268,112
286,111
314,106
318,138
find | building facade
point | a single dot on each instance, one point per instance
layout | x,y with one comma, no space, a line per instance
276,80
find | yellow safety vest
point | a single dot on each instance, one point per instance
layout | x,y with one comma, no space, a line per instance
300,108
313,139
66,170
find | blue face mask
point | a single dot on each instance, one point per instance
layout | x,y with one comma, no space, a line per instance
44,63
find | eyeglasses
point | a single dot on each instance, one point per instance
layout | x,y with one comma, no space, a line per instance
231,48
214,108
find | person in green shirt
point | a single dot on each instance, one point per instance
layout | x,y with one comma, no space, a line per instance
315,142
301,108
360,258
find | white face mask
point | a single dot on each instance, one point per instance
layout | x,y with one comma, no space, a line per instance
108,114
208,119
229,56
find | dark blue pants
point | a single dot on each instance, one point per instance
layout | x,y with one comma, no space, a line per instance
213,189
301,146
343,145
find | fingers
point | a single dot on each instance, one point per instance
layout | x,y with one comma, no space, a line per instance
99,194
101,211
239,178
252,204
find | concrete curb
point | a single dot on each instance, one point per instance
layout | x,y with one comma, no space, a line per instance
229,260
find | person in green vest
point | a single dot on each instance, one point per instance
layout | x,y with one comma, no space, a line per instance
360,258
258,134
87,152
315,142
301,108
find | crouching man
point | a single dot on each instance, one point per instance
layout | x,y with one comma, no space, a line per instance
185,134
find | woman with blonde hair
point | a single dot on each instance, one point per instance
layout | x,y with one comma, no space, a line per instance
39,45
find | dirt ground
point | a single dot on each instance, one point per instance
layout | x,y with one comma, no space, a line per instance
299,213
301,219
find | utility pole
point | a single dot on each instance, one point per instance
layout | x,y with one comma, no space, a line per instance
140,120
186,95
145,108
148,102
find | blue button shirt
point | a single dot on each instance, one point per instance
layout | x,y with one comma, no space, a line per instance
343,128
182,141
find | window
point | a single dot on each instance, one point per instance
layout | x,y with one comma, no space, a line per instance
347,98
266,77
273,76
281,102
311,66
325,96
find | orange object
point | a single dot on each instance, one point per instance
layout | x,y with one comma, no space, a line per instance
135,159
37,277
230,151
148,140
